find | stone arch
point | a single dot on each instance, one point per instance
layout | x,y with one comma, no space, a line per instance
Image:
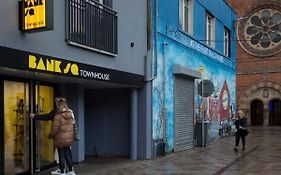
264,91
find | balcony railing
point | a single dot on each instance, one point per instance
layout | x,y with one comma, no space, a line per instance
92,25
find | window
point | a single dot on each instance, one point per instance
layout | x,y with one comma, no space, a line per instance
185,15
107,3
92,24
226,42
99,1
259,34
210,32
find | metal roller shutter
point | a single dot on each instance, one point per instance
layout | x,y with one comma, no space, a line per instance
183,119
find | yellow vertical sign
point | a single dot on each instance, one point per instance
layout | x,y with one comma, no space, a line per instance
34,14
202,70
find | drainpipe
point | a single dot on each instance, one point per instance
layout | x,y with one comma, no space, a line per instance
164,98
152,52
151,68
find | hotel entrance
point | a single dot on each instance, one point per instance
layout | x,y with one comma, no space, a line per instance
26,146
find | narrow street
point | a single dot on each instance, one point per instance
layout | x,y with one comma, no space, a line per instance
262,156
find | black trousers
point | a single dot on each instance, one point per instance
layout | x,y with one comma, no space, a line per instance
65,155
238,136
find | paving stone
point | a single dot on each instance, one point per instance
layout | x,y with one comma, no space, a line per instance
262,156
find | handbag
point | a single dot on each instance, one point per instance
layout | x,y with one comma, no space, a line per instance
76,133
243,130
246,131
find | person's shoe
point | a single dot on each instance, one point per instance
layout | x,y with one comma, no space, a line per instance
236,149
55,172
70,173
243,149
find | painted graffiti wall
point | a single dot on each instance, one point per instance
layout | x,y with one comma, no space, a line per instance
176,47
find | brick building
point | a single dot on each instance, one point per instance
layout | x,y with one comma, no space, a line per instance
258,29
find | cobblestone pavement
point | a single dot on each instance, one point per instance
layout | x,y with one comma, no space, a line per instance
262,156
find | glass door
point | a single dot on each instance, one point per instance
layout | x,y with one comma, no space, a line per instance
26,144
44,149
16,127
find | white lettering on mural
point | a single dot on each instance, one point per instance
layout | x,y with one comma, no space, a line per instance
94,75
205,50
181,38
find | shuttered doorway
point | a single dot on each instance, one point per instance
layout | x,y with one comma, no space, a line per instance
183,114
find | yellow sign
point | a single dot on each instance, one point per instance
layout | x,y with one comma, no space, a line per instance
201,69
52,65
34,14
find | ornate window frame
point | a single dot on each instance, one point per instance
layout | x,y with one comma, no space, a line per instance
259,33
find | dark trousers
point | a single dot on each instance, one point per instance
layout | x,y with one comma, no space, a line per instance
65,155
238,136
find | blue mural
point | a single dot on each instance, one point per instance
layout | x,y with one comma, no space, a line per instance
175,47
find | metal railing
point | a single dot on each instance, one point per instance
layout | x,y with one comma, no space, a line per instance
91,25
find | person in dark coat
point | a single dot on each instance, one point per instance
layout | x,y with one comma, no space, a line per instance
241,131
50,117
62,133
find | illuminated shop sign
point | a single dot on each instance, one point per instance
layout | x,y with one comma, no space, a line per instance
36,14
22,61
64,67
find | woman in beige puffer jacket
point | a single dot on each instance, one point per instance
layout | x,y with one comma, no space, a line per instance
62,130
62,133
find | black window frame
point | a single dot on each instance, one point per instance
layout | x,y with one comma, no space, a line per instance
92,25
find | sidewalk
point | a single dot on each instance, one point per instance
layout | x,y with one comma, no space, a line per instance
262,156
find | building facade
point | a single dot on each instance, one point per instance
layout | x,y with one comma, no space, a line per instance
258,60
193,41
89,51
